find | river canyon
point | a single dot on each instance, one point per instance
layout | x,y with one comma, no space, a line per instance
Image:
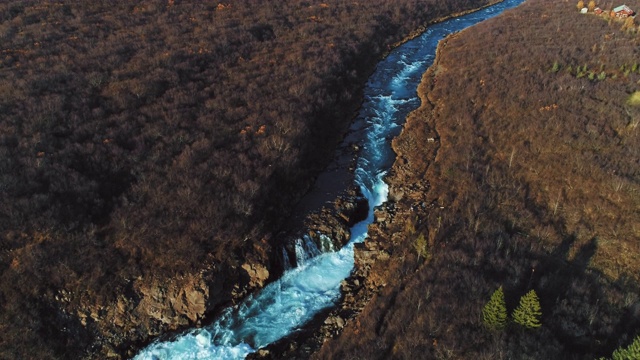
313,284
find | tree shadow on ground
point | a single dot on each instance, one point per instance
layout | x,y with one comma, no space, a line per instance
582,308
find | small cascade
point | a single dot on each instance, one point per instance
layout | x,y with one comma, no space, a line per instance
305,249
286,264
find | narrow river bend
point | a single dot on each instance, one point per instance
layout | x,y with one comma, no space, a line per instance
289,303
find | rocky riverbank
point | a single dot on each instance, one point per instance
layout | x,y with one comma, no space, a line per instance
376,259
151,307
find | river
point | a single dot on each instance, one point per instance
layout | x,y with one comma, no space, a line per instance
289,303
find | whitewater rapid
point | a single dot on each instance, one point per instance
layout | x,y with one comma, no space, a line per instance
287,304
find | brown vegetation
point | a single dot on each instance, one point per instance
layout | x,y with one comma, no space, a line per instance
153,140
533,184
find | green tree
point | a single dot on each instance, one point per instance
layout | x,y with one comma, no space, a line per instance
421,246
632,352
602,76
494,313
634,99
581,71
528,311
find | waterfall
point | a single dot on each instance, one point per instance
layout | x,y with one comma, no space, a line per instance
305,249
286,264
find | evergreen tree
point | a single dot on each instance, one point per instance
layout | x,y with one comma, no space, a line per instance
632,352
528,311
494,313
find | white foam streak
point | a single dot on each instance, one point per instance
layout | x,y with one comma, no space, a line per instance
305,249
285,260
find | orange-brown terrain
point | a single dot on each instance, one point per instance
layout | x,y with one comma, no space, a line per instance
151,151
531,181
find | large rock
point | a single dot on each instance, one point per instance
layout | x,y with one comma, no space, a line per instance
336,220
151,306
258,274
179,302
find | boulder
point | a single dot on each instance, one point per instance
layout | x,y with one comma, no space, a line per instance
258,274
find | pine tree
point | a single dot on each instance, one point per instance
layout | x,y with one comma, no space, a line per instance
494,313
632,352
528,311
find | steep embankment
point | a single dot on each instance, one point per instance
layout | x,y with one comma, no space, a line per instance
520,170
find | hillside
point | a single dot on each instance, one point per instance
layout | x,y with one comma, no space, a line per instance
532,183
150,151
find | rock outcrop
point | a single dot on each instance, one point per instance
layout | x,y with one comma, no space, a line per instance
336,220
258,274
151,307
331,223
